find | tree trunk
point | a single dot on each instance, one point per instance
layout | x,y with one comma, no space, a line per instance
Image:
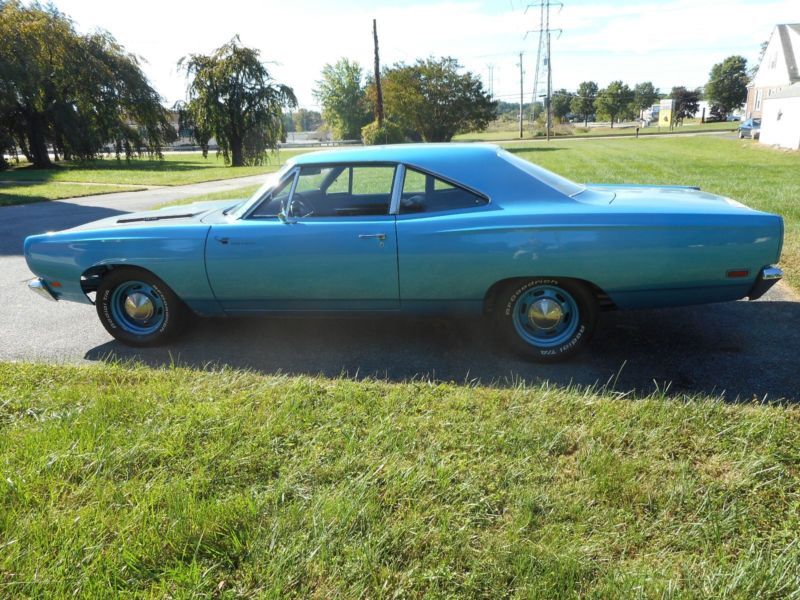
237,154
37,142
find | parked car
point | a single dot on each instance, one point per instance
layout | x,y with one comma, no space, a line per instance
415,229
751,128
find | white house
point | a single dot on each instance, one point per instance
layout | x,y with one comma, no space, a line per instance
778,68
780,118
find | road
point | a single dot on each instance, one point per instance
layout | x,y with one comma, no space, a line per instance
743,350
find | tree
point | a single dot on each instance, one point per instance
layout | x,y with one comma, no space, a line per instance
306,120
687,103
726,89
432,100
188,124
560,103
615,102
582,104
644,95
233,96
342,96
73,93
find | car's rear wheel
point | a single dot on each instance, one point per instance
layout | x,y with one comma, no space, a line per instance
139,309
546,319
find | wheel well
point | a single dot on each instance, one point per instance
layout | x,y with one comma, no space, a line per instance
91,277
490,299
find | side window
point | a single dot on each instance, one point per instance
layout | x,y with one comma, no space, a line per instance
373,181
423,193
342,191
277,197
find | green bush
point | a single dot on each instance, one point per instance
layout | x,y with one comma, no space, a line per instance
389,133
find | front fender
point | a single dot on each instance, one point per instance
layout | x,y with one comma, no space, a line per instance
174,254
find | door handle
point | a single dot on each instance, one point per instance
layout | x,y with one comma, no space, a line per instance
372,236
222,240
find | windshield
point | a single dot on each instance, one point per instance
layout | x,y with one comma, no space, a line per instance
557,182
270,182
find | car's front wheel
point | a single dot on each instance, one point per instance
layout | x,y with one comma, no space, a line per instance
139,309
546,319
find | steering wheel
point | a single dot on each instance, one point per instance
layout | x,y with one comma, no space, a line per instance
300,207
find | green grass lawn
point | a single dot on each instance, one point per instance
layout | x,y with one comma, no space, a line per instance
241,192
174,169
506,131
37,192
178,483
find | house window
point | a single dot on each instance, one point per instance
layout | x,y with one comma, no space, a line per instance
773,61
759,94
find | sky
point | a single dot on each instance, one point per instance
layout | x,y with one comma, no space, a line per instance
668,42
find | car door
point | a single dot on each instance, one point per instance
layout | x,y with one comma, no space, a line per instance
443,257
323,239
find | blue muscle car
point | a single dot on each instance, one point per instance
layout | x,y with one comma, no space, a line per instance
466,229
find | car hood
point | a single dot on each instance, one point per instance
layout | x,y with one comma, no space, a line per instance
173,215
673,199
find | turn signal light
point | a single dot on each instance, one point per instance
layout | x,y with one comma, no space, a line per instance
738,273
54,284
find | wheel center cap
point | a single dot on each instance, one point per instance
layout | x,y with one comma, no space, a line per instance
545,313
139,306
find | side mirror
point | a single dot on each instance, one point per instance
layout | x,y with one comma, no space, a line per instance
284,218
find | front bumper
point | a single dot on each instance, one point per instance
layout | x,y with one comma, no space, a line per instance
39,286
768,277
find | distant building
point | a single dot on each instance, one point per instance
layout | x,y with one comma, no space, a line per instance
778,68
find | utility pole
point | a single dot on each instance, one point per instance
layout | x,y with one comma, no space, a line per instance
543,57
549,106
520,95
490,66
378,90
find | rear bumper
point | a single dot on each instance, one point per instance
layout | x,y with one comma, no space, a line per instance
768,277
40,287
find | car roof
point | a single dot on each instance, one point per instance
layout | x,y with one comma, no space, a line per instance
415,154
476,166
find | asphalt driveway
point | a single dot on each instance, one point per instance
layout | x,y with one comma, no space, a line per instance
743,349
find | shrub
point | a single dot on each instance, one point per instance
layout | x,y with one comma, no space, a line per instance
390,133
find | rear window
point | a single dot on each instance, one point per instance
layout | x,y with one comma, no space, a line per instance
557,182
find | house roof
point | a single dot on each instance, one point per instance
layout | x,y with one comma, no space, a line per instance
789,52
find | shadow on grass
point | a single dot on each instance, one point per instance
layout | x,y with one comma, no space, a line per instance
166,166
719,349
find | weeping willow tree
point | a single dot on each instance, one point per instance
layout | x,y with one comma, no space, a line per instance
72,95
233,96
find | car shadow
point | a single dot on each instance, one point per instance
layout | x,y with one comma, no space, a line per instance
740,350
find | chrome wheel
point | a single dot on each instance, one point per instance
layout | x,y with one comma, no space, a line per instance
137,307
545,316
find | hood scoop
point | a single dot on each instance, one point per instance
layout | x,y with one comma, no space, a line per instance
157,218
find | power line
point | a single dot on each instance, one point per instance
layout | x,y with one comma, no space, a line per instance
544,56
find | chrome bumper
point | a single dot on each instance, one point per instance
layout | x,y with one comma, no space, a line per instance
768,277
40,287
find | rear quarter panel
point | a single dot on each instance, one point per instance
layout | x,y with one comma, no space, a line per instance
639,260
